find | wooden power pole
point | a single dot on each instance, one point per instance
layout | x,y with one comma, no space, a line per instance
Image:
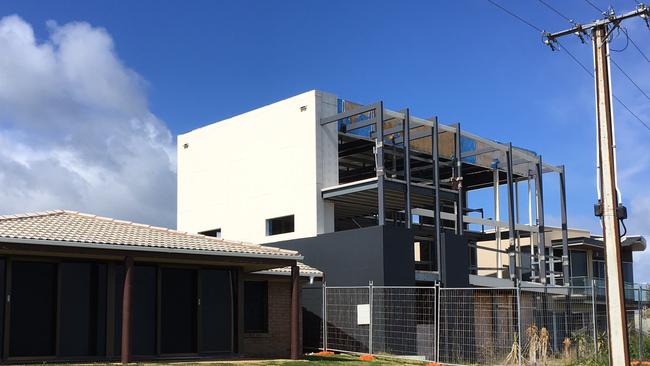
607,207
609,202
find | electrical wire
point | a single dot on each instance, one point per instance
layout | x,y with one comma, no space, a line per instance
575,59
517,16
632,113
624,228
595,6
627,39
590,73
557,11
635,45
629,78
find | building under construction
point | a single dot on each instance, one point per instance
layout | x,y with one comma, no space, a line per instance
372,194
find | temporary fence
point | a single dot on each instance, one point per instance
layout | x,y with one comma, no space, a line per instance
507,326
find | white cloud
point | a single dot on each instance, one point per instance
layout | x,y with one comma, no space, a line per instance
75,128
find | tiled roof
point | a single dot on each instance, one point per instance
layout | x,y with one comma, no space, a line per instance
305,270
80,229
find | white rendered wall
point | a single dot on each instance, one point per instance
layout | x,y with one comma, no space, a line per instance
270,162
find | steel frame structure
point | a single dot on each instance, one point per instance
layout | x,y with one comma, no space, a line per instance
394,133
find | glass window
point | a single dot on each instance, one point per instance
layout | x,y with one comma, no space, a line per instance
178,310
578,264
280,225
33,309
144,309
82,309
255,307
216,309
628,272
599,269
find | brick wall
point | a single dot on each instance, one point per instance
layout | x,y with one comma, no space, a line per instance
277,341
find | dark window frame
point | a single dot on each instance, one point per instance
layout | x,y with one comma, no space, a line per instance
215,233
280,225
572,262
112,346
264,328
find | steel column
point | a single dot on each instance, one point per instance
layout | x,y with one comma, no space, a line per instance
565,230
436,190
530,223
407,167
511,216
459,181
541,245
379,163
295,312
126,310
497,214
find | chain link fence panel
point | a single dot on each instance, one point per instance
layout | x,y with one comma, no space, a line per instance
528,325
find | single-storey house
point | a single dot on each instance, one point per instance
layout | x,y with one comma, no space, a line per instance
79,287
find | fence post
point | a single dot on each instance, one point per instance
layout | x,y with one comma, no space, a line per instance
640,330
324,316
518,323
593,316
437,342
370,297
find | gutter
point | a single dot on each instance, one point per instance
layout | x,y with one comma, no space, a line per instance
127,247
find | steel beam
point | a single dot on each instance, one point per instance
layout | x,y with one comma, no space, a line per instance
360,124
415,135
351,113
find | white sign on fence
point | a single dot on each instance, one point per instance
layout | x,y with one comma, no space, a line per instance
363,314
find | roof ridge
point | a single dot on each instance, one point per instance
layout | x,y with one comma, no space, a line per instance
175,232
34,214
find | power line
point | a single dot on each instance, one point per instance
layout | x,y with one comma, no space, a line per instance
594,6
556,11
629,39
629,110
629,77
575,59
635,45
517,17
590,73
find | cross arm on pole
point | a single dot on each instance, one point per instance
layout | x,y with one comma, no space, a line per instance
642,10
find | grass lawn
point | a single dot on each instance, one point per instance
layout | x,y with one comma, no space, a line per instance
334,360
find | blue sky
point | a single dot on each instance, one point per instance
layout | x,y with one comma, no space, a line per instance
195,62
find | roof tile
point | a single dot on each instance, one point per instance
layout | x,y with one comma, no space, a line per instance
75,227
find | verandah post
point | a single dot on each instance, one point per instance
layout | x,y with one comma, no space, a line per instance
126,311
